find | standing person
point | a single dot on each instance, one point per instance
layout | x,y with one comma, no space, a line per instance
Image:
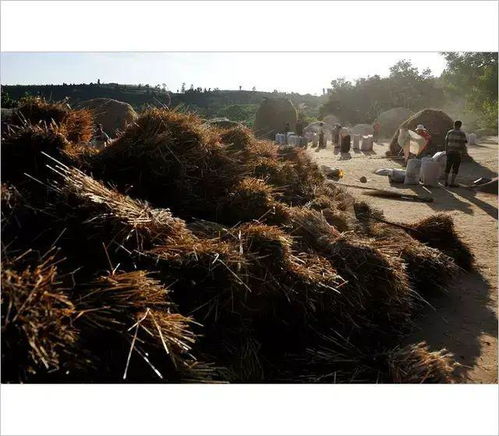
345,141
422,131
455,146
336,135
299,127
376,131
321,136
100,138
287,128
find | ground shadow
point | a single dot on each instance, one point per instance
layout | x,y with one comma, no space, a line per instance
345,156
458,319
470,195
443,198
368,153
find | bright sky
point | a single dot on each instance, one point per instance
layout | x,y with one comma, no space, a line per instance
297,72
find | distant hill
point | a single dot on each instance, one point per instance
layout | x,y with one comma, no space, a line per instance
236,105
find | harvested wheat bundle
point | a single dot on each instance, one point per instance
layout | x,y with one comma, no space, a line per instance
239,137
335,359
438,231
312,228
251,199
133,218
417,364
172,160
429,269
123,314
256,149
10,197
254,245
308,177
76,125
38,337
22,150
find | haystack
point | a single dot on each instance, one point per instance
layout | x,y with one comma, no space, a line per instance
331,119
225,256
272,117
114,115
362,129
391,119
316,127
437,122
76,125
223,123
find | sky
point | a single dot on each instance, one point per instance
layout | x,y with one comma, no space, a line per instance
289,72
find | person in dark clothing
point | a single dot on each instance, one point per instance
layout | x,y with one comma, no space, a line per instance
455,146
336,135
287,129
345,143
376,131
299,127
100,138
321,136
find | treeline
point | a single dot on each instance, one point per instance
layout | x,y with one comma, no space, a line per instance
468,85
208,103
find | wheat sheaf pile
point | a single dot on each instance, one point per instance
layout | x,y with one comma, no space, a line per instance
188,253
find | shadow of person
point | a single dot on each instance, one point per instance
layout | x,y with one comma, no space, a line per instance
368,153
443,199
345,156
458,319
470,195
336,150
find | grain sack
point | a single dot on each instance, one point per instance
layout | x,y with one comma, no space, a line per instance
412,172
430,172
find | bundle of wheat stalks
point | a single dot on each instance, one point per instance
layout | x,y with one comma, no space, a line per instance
184,252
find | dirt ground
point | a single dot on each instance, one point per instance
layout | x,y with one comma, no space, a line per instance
465,320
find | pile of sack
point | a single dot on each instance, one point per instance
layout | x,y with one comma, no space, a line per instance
291,138
429,170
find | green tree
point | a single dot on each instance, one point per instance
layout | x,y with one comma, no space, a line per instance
474,76
363,100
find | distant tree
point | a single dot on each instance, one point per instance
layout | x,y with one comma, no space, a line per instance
240,87
363,100
98,81
253,89
183,88
473,76
7,101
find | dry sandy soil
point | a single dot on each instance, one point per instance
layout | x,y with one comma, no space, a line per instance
465,320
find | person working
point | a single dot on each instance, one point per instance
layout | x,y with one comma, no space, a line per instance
376,131
422,131
287,128
299,127
336,135
455,145
100,138
321,136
